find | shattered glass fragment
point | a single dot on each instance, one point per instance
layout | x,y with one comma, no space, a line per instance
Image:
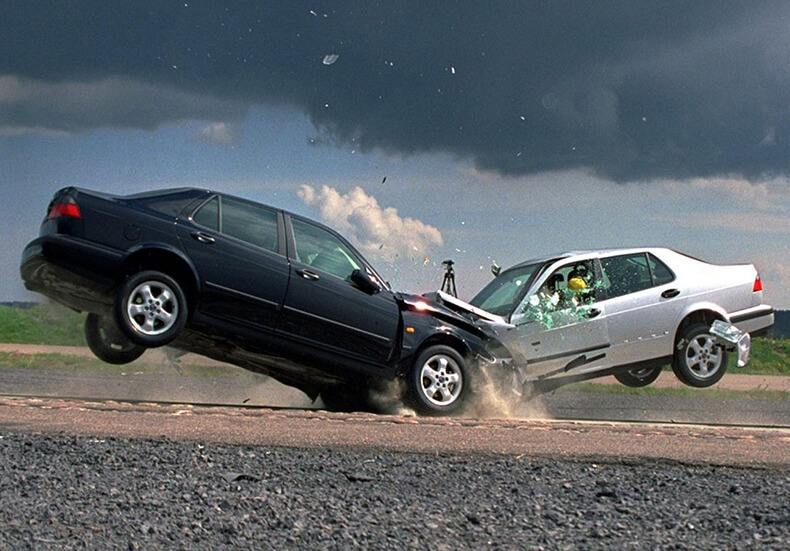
329,59
562,307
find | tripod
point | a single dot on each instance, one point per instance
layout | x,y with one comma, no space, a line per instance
448,283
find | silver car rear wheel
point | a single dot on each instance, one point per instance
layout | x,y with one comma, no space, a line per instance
699,361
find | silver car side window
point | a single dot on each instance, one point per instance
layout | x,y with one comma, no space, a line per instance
626,274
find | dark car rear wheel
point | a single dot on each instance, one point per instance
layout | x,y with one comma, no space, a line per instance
108,343
151,308
636,378
438,382
699,361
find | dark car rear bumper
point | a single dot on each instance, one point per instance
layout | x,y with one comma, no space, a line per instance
71,271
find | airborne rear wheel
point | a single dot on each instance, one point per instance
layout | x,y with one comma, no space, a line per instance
151,308
699,361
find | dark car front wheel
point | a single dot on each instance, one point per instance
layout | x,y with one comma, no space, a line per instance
108,343
636,378
438,382
699,361
151,308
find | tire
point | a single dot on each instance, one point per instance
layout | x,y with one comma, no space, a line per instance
108,343
637,378
438,382
698,360
151,308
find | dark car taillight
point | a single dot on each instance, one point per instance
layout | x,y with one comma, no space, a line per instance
64,209
758,284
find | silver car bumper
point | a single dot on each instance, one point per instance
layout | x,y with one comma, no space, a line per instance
733,339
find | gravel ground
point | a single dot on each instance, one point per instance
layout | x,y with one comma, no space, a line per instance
69,492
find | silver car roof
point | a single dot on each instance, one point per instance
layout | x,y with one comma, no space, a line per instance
586,253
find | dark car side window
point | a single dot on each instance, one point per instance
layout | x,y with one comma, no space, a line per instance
322,250
251,223
208,214
633,272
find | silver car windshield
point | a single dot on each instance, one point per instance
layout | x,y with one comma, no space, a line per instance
505,292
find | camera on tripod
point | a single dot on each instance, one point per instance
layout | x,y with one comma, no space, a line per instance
448,283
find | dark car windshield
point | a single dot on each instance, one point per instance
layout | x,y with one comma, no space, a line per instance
503,294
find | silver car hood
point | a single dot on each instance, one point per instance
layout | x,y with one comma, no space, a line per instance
458,304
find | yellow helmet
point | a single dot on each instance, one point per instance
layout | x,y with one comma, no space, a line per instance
576,284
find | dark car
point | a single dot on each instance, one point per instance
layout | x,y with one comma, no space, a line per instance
248,284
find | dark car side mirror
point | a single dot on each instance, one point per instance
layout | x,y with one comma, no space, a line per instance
365,282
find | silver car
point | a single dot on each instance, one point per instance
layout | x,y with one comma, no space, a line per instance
623,312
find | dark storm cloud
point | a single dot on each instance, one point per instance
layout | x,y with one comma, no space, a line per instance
632,90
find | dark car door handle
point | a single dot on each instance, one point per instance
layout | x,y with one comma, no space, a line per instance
670,293
307,274
202,237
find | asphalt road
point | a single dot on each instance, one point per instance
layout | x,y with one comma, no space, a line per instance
693,406
91,463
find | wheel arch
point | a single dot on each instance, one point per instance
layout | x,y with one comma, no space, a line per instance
706,314
456,342
167,260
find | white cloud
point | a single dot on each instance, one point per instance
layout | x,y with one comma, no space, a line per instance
378,231
219,132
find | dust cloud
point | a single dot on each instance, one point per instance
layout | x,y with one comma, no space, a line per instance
497,395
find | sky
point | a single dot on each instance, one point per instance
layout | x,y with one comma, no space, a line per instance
423,131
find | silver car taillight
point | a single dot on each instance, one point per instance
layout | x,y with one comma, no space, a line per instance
758,284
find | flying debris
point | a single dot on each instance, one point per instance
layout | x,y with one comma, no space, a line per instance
329,59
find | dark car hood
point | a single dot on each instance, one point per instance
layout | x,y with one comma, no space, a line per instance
452,310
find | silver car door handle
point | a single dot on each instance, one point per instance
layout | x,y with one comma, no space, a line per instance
670,293
307,274
202,237
592,312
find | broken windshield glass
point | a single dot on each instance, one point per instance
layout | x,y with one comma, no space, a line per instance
505,292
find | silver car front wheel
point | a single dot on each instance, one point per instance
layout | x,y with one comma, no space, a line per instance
637,378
